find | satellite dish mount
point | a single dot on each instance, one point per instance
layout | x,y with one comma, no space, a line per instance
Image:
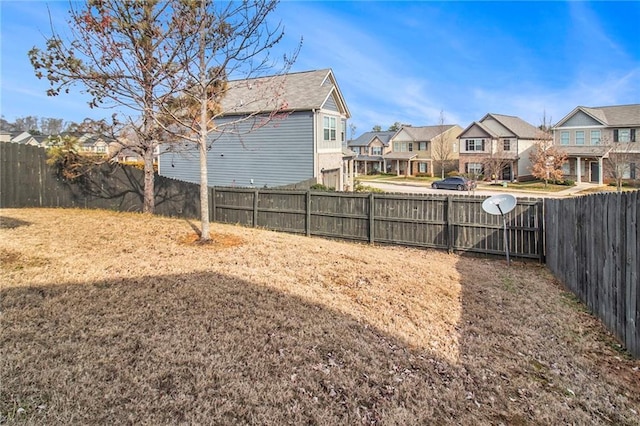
501,205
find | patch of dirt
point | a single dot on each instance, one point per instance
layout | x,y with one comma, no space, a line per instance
217,240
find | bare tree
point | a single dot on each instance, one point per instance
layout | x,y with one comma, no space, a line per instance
547,161
622,159
496,159
441,147
122,54
546,158
221,39
352,130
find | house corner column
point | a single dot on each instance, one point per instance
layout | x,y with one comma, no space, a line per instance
601,169
578,169
351,174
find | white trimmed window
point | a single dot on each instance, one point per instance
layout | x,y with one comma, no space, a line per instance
422,167
622,135
595,137
580,137
475,144
566,168
329,128
400,147
422,146
474,168
376,150
564,138
506,145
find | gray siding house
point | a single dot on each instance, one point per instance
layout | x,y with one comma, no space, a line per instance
599,139
273,131
369,149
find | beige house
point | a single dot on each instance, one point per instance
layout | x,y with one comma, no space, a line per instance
423,150
598,141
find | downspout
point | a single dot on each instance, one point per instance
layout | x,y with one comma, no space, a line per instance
316,171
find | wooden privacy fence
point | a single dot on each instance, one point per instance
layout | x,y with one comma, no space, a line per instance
27,181
591,243
593,246
452,222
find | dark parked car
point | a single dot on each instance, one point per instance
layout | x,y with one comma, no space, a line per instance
455,182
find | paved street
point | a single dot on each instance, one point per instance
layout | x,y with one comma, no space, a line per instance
482,190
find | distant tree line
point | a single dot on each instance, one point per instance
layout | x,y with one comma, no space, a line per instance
50,126
393,128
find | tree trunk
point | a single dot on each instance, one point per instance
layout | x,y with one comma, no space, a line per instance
204,191
149,181
204,131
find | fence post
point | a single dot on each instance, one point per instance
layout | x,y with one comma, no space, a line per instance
371,219
307,224
255,208
541,242
449,224
212,204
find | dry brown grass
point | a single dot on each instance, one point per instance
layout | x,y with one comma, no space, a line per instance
113,318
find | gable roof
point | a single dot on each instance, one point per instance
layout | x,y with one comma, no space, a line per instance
488,132
615,115
21,137
366,138
514,126
426,133
301,91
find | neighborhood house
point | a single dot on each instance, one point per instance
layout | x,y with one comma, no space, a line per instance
590,136
274,131
410,151
502,141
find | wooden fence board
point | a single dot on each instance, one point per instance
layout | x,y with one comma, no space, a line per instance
593,246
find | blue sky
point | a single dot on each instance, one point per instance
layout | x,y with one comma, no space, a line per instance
406,61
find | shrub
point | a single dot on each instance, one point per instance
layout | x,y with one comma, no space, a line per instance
321,187
453,173
365,188
627,183
566,182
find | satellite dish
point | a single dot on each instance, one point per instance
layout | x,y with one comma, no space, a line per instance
499,204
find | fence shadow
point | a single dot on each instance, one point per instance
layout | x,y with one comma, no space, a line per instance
11,222
532,353
208,348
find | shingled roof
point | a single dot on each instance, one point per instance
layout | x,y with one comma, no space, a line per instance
301,91
613,116
426,133
366,138
516,125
